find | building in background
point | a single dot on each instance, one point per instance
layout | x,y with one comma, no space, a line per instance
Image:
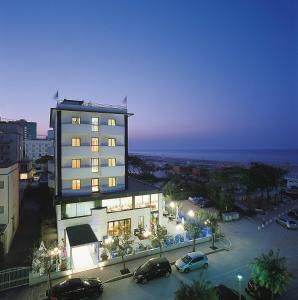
94,197
29,128
50,135
9,203
37,148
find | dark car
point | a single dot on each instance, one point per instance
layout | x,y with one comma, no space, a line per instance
225,293
293,213
76,288
257,291
153,268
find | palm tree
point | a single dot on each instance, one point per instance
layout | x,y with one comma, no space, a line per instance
212,222
198,290
158,236
269,271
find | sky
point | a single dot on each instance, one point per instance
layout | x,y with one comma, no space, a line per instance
197,74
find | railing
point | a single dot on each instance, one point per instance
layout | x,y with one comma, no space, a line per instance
14,277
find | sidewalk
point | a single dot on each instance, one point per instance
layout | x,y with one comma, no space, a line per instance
109,272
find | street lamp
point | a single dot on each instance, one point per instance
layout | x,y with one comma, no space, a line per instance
239,277
191,213
172,205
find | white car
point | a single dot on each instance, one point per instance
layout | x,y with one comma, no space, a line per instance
192,261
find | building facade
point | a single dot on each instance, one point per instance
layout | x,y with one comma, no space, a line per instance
29,129
95,198
35,149
9,203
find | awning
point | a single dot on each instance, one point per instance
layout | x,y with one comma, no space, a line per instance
80,235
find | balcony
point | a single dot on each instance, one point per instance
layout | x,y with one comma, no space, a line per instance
69,128
82,151
106,151
82,173
112,171
112,130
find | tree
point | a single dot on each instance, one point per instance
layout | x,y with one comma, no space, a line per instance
45,260
123,245
269,271
194,226
158,236
212,222
198,290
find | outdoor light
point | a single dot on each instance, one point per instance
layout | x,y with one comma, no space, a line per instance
109,240
179,227
239,277
146,233
191,213
172,204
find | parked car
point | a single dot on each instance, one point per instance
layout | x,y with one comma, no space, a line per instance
293,214
192,261
153,268
287,222
257,291
76,288
225,293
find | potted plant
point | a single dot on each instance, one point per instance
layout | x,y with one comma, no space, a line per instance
104,254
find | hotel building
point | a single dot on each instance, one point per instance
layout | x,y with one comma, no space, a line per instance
94,197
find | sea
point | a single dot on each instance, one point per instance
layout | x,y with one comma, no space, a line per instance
279,157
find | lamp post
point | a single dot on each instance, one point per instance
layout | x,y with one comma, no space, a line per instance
239,277
191,213
172,205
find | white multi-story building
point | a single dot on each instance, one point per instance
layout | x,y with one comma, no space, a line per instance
94,196
9,203
37,148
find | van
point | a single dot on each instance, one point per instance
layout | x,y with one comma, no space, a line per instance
153,268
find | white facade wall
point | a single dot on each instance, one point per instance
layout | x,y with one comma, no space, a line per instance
35,149
9,203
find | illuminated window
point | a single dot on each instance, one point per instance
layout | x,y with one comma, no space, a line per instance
111,162
95,124
76,142
111,142
111,122
141,221
154,202
75,120
75,163
117,204
94,164
95,184
76,184
119,227
142,201
94,144
112,181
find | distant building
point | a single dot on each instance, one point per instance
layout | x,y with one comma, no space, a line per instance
50,135
9,203
35,149
11,142
29,129
181,170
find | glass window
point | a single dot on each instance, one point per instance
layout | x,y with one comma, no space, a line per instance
154,201
76,142
142,201
112,181
76,120
1,209
84,208
1,184
70,210
111,162
111,122
95,124
117,204
94,144
75,163
95,184
94,164
141,221
112,142
76,184
119,227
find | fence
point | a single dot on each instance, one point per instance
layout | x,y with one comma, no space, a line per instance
14,277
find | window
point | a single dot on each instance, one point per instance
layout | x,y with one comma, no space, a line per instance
142,201
117,204
111,122
1,209
154,202
75,163
75,142
94,144
95,184
120,227
111,142
95,124
141,221
94,164
72,210
112,181
75,120
76,184
111,162
1,184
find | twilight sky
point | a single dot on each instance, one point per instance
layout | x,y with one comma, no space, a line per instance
197,74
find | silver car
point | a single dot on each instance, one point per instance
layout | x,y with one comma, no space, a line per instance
287,222
191,261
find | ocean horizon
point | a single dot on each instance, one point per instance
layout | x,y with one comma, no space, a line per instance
269,156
